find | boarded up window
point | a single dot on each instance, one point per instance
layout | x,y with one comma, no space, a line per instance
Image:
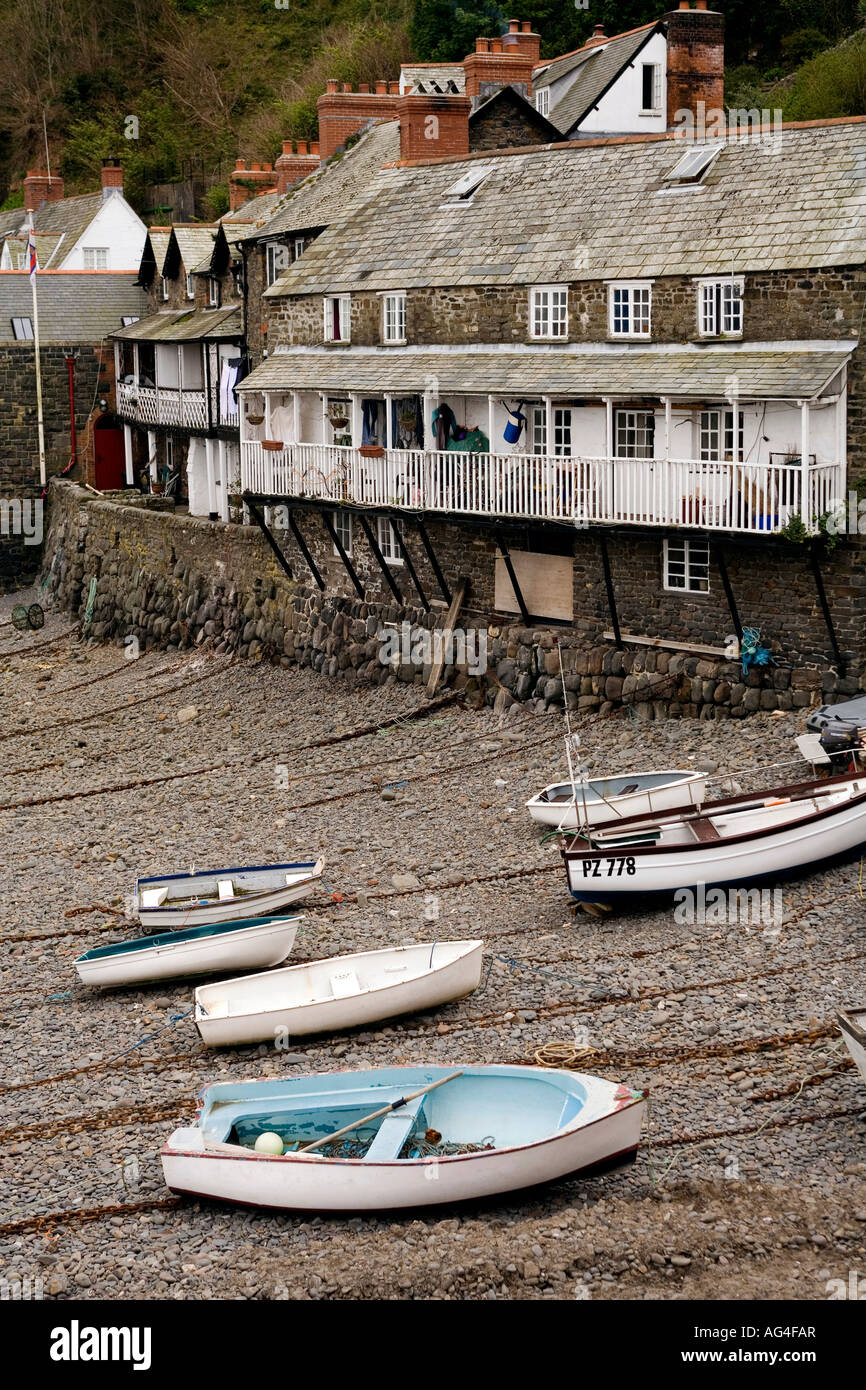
546,582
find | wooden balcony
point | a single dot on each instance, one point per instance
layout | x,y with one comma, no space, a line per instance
163,405
747,498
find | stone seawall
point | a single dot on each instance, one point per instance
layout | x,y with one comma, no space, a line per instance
170,580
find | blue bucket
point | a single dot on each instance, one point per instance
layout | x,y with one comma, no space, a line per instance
514,426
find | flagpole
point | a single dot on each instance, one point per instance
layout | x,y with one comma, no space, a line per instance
40,424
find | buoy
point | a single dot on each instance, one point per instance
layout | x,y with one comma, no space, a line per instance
269,1143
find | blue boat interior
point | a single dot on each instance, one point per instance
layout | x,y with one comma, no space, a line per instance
247,879
497,1109
175,938
602,789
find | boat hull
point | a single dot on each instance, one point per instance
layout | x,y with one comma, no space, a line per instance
689,791
853,1026
630,875
270,902
310,1183
438,986
248,948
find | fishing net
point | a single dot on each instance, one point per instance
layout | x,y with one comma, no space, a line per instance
426,1147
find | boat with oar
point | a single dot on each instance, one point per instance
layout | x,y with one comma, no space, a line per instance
600,800
341,992
201,897
399,1136
249,944
727,843
853,1025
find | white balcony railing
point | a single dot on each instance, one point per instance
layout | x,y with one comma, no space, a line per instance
751,498
163,405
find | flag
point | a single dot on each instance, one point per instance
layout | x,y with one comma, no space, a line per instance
31,255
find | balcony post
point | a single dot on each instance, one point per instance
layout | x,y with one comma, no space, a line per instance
324,399
151,453
210,467
127,451
428,427
267,400
669,502
224,482
296,416
804,433
389,441
136,365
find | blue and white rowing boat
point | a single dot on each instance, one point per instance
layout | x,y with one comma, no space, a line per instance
399,1136
222,895
250,944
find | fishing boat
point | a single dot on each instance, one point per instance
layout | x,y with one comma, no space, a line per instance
342,992
731,842
223,895
251,943
571,805
853,1025
399,1137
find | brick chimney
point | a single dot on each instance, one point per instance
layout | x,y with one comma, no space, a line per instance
432,126
343,113
503,62
291,167
696,60
112,176
41,187
598,36
246,183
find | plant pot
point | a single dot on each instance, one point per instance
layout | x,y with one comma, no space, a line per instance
339,422
156,489
371,451
273,445
255,419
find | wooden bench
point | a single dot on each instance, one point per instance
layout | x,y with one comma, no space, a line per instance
705,830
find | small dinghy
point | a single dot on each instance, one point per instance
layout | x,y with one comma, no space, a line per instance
223,895
853,1025
734,841
399,1137
251,943
600,800
342,992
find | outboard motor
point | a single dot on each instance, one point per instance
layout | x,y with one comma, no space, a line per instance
841,740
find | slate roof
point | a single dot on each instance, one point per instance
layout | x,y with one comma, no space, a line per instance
600,209
428,73
74,306
195,243
159,241
326,195
252,214
45,249
595,77
768,370
69,216
185,326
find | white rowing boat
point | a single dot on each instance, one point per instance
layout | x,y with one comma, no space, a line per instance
250,944
447,1137
600,800
735,841
342,992
853,1025
223,895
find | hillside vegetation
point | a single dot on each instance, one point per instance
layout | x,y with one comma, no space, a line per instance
206,80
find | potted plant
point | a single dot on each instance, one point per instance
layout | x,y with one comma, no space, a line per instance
371,451
273,445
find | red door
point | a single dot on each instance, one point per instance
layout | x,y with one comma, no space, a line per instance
109,460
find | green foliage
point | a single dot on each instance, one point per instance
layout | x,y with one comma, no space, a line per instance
831,84
14,200
216,201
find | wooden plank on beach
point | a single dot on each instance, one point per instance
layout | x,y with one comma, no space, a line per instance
456,604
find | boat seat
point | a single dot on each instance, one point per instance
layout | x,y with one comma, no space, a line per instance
154,897
394,1131
226,889
344,983
705,830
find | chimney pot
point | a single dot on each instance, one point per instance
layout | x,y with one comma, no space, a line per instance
394,89
346,87
525,27
685,5
482,45
333,84
495,45
314,147
302,147
363,86
381,89
514,26
701,5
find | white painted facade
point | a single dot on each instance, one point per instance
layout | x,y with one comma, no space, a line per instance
116,228
621,109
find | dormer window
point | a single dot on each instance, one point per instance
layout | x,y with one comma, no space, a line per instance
630,309
338,318
548,311
720,308
190,286
213,292
651,89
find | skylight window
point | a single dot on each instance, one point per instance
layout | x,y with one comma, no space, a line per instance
464,188
693,164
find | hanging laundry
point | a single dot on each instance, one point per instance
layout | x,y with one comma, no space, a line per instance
228,381
445,425
370,422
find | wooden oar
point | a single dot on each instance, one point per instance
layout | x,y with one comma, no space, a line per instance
386,1110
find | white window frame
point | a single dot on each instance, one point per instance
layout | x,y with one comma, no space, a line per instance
343,526
537,430
563,424
633,434
716,434
548,312
386,536
345,318
96,257
300,247
20,325
720,306
654,109
164,280
190,285
394,316
542,101
630,301
276,261
686,566
213,292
